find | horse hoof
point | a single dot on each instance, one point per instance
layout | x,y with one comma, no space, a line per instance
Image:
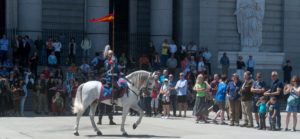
134,126
76,133
99,133
124,134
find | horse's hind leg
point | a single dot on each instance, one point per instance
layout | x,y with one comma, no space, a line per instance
79,114
93,108
124,114
141,113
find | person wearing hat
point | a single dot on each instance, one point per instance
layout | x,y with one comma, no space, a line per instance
165,91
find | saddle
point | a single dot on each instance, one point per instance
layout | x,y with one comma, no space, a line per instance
114,91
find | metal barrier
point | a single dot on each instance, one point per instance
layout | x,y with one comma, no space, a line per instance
133,44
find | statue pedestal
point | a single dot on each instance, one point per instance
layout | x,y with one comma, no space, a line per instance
250,49
264,60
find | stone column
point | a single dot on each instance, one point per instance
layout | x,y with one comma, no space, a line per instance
291,32
161,21
208,30
98,33
11,14
30,17
188,19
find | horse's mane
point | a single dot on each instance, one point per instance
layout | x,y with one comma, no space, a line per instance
138,78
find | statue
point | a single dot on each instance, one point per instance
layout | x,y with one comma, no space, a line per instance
250,15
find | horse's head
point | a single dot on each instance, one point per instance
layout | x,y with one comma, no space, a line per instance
142,80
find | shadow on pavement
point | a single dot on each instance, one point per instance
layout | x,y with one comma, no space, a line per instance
134,136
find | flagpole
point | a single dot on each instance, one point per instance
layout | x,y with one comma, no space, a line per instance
113,28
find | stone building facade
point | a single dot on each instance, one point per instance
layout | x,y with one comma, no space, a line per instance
208,23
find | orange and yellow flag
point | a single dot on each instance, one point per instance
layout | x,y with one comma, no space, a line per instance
107,18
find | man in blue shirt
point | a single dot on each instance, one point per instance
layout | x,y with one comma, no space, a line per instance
275,91
220,98
182,87
3,48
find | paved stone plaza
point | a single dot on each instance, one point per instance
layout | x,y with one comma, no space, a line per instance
185,128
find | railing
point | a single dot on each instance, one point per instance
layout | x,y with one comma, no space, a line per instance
133,44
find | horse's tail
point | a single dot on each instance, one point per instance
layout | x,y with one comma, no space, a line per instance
78,106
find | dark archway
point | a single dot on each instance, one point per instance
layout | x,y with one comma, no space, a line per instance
121,25
2,17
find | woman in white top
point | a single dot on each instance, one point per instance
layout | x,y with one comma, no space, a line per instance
57,49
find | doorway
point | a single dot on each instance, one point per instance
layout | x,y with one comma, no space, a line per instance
2,17
121,25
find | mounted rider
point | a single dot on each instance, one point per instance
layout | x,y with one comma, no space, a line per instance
112,72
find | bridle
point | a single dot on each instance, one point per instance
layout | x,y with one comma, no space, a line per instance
143,89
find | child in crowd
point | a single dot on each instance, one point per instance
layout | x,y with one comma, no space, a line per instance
57,104
273,108
262,110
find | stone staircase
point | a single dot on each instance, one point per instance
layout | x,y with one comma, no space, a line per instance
63,14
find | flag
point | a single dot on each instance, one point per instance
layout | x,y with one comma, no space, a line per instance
107,18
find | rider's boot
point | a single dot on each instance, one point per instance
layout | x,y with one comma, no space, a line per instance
111,122
100,120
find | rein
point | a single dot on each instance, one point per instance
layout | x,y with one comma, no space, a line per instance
142,89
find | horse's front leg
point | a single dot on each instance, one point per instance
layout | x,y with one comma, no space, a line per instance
124,114
141,113
93,108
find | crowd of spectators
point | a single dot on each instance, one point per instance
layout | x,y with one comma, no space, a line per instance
183,80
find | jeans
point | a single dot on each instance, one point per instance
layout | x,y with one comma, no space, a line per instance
275,122
262,120
173,100
22,103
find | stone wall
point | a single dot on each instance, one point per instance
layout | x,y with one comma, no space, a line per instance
228,37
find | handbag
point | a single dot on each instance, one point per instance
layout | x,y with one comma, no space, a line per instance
293,100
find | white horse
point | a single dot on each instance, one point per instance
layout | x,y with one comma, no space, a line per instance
88,95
